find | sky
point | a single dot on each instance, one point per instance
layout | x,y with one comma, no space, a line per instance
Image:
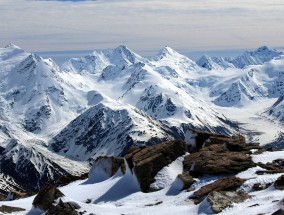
75,27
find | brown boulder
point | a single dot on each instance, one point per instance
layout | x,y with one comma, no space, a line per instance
147,161
216,160
63,208
205,138
186,179
46,196
279,183
223,184
219,200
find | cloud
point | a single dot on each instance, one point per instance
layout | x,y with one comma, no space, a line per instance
65,0
143,25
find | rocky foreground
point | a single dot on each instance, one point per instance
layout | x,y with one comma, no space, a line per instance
213,178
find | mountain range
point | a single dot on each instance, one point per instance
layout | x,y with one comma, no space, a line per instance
55,121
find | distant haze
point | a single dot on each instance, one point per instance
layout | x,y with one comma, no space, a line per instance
144,26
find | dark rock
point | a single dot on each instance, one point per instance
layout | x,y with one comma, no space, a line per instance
219,200
259,186
234,143
271,168
67,179
279,183
203,136
187,180
46,197
279,212
216,160
148,161
223,184
63,208
279,162
9,209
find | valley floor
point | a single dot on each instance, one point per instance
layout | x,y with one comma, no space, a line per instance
258,127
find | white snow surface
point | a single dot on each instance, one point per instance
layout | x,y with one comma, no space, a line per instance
120,194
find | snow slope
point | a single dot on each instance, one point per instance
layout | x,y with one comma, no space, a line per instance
120,194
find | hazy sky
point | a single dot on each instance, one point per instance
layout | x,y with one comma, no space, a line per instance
145,26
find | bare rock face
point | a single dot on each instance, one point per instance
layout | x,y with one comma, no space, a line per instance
216,160
147,161
63,208
219,200
223,184
279,183
46,196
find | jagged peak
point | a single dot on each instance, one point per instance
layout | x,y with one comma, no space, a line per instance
167,51
34,57
123,48
204,57
262,48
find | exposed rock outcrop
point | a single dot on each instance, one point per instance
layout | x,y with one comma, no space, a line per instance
63,208
259,186
46,196
201,139
219,200
147,161
186,179
216,160
223,184
271,168
279,183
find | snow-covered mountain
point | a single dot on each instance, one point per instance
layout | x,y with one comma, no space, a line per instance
259,56
104,103
99,60
109,128
33,165
250,84
276,111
